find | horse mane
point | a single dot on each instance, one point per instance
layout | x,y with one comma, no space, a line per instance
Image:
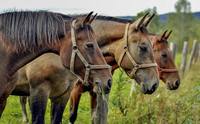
29,30
100,17
110,18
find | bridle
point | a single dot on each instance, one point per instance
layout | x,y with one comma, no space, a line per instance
134,63
166,70
76,51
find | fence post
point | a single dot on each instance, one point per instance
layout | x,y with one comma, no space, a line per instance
173,48
133,88
100,113
196,52
194,46
184,57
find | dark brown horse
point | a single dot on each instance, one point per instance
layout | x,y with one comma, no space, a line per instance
166,67
26,35
112,36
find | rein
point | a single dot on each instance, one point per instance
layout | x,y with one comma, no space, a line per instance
76,52
127,52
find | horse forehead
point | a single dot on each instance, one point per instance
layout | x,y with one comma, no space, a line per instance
140,36
154,39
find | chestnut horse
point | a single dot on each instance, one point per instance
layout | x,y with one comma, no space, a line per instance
168,72
114,35
26,35
166,67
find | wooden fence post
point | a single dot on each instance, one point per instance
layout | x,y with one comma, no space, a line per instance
173,48
100,113
196,56
194,47
184,57
133,88
198,50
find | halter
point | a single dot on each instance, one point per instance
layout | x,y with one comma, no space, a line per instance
75,51
126,52
166,70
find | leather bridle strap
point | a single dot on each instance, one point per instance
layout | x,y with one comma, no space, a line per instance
166,70
76,52
126,52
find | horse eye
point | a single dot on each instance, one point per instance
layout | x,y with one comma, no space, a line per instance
164,55
90,45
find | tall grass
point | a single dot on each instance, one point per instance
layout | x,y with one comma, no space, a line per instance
163,107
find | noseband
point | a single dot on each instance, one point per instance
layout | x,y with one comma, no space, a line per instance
166,70
134,63
75,51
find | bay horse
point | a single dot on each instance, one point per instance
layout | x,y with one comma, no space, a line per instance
25,35
168,73
114,35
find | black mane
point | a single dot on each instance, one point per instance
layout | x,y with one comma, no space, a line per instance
110,18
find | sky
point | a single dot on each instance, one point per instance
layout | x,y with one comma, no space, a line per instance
104,7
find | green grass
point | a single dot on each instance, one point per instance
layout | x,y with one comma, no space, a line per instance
163,107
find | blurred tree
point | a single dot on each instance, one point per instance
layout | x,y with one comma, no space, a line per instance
183,6
182,23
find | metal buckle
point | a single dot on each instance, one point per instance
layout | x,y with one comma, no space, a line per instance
74,47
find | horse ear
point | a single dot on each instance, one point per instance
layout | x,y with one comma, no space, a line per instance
87,18
93,18
140,21
148,20
166,37
163,35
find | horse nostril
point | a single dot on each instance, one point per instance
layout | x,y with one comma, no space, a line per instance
108,87
177,83
154,87
109,83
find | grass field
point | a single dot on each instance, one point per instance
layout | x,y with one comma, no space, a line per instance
163,107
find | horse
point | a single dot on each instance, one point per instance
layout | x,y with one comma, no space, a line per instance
26,35
167,69
168,73
137,39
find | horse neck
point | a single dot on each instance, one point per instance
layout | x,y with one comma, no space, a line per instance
108,34
16,60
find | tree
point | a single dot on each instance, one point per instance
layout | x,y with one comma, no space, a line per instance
183,6
182,23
